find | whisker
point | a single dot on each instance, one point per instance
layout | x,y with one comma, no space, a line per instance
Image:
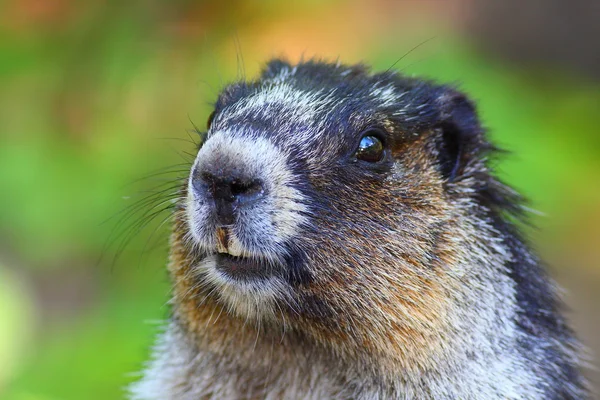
135,228
409,52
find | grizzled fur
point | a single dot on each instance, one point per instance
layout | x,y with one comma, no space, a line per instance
405,278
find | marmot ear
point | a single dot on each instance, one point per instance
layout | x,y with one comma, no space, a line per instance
461,133
274,68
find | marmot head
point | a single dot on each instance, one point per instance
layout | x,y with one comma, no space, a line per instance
338,201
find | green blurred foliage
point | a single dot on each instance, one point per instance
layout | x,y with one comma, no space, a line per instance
94,96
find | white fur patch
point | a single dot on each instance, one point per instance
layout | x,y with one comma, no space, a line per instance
298,114
387,96
260,232
249,300
282,213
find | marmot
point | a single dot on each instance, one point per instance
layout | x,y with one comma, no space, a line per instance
342,236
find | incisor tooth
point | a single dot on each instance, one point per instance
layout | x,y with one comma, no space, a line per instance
222,240
235,249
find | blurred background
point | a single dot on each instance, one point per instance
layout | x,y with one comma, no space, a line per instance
96,95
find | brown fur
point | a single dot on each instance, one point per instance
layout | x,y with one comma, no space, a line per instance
406,288
412,308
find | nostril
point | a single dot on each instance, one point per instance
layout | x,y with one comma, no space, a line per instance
238,187
246,187
247,191
229,188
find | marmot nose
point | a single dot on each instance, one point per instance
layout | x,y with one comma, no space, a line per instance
229,192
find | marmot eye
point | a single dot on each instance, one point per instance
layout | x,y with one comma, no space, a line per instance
370,149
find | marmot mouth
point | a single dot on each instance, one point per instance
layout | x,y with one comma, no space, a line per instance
244,268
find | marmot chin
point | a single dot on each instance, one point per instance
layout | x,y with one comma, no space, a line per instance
342,236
